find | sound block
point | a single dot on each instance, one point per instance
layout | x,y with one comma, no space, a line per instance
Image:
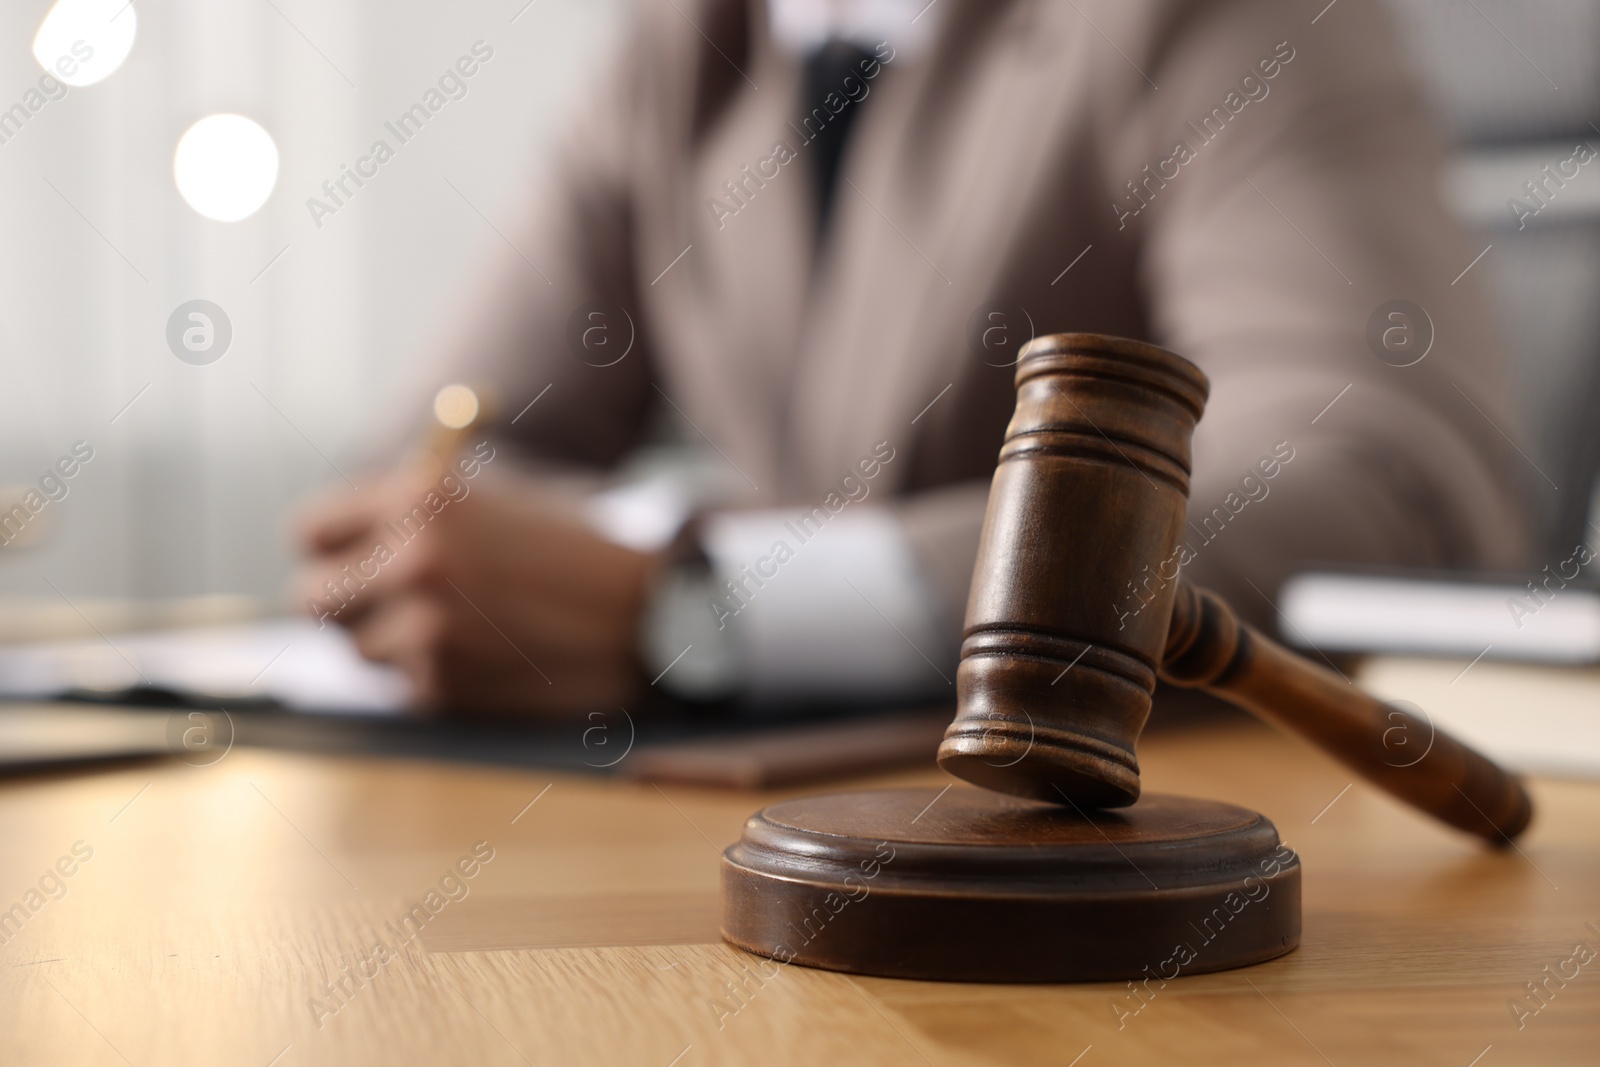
974,886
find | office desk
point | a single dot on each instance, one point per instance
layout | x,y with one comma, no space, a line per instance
219,900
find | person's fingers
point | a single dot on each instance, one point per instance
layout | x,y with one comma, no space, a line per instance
546,545
407,632
332,521
318,593
378,561
423,559
347,585
491,601
483,569
457,666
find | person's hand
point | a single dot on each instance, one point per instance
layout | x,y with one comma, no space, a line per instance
500,599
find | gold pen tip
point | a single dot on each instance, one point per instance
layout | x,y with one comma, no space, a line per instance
455,406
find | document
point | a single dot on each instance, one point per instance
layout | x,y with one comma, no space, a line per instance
289,661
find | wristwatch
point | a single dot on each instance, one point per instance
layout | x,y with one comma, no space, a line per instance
690,649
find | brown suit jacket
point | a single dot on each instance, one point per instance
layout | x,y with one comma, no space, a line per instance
998,166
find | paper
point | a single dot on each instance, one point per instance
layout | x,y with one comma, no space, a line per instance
1536,719
290,661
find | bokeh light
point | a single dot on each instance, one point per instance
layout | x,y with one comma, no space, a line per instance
81,42
226,167
455,406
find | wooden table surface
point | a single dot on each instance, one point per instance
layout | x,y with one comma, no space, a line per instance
208,909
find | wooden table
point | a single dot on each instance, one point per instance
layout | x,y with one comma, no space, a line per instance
219,900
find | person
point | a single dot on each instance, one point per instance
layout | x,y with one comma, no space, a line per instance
810,237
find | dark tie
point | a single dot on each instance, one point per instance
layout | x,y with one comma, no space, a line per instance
826,71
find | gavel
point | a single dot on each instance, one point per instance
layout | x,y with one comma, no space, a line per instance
1088,506
1057,870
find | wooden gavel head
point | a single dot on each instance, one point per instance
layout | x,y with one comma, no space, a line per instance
1077,607
1074,585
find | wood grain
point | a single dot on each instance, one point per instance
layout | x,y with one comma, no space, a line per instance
590,920
219,899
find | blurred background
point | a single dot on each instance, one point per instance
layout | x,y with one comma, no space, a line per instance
188,487
195,466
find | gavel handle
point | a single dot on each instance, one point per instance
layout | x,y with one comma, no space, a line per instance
1209,648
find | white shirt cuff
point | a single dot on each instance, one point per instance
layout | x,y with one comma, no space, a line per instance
829,605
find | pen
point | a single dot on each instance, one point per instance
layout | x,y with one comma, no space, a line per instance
457,410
